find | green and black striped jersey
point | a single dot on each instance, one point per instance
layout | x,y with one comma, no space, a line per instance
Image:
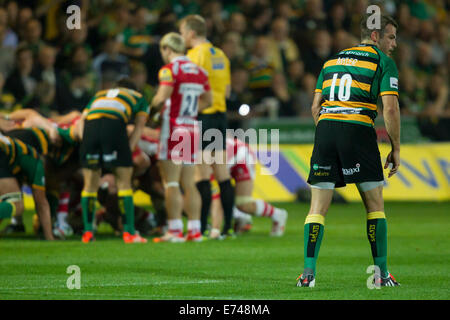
14,149
35,137
117,103
24,162
352,81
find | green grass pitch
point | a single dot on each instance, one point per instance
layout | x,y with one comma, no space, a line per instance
253,266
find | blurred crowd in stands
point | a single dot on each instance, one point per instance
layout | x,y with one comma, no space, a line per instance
276,48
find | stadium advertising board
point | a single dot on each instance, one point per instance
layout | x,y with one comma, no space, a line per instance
424,174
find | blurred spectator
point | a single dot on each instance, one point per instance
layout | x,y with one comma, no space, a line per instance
80,62
24,14
110,60
295,73
116,19
75,38
261,69
403,56
239,96
419,9
166,23
233,48
139,76
183,8
138,36
47,76
73,95
283,49
8,38
237,23
312,19
440,45
437,93
6,50
282,95
356,8
13,12
260,24
215,22
21,84
338,18
341,40
305,96
319,53
32,36
7,100
424,63
411,95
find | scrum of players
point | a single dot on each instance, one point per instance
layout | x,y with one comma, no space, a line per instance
83,167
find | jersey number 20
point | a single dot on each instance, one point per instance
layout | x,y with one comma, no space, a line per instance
345,85
189,104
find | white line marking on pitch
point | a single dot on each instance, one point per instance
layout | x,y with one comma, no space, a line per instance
133,284
118,296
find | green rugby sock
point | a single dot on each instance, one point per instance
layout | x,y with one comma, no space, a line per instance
7,209
88,200
313,234
126,207
377,235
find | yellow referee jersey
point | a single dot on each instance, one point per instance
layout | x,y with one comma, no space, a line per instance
217,65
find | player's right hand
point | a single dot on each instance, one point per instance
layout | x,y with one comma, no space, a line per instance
394,159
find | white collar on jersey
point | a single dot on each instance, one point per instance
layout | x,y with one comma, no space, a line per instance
180,58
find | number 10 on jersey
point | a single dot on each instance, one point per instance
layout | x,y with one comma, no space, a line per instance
345,85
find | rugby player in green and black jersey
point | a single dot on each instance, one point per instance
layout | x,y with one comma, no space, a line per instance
21,164
345,145
105,145
57,145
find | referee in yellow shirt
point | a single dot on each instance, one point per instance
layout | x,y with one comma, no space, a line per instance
215,62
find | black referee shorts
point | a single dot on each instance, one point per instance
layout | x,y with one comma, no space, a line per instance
216,121
345,153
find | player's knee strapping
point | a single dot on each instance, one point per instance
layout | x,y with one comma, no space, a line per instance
126,207
368,185
172,184
377,235
7,204
242,200
313,234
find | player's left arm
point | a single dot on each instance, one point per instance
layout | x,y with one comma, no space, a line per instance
43,211
205,100
139,124
164,92
315,107
316,104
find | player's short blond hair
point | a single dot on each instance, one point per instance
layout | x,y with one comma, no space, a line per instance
173,41
195,23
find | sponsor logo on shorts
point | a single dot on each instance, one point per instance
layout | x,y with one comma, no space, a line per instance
317,167
110,157
92,156
351,171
